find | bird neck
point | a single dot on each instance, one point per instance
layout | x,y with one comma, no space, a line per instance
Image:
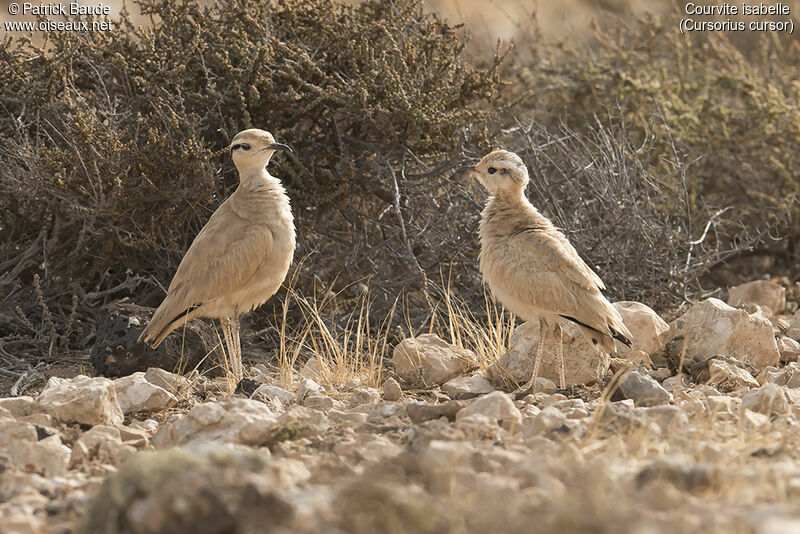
510,197
257,178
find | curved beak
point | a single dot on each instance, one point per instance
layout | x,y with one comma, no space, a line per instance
280,146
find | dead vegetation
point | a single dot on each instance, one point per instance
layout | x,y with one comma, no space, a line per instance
659,158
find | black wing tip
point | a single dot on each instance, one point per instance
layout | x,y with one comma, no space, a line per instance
620,337
614,334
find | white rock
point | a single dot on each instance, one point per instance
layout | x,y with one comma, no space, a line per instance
793,330
385,410
773,375
364,396
769,295
274,393
789,349
136,394
172,382
20,406
90,401
549,419
13,431
723,404
497,406
712,327
768,399
729,377
650,332
754,420
231,420
308,387
47,457
427,360
467,387
318,402
103,443
675,383
794,375
392,390
583,363
643,390
667,417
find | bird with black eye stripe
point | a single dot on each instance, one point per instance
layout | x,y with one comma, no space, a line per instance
240,257
531,267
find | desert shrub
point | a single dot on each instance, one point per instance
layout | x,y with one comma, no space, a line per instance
735,112
111,140
113,155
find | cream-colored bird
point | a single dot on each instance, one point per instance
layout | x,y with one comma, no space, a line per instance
531,267
240,257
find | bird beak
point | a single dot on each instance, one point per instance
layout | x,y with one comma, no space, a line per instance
280,146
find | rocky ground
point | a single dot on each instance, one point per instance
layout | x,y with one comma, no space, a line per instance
446,444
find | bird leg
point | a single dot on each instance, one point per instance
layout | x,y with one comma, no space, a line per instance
538,357
236,364
225,322
562,382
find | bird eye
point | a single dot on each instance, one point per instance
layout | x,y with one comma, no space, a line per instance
245,146
491,170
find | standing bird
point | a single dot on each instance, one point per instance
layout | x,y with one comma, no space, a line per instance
240,257
531,267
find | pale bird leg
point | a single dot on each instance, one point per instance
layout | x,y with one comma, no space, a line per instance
560,349
225,322
236,364
538,357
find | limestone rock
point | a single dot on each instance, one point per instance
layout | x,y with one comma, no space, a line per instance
212,489
232,420
427,360
769,295
20,406
583,363
712,327
549,419
47,457
497,406
773,375
650,332
364,396
793,330
172,382
467,387
13,431
728,377
136,394
89,401
274,393
308,387
392,390
789,349
768,399
419,412
103,443
643,390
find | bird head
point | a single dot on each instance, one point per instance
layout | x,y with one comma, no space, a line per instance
501,172
253,148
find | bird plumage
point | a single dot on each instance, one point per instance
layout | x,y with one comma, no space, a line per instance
243,253
530,266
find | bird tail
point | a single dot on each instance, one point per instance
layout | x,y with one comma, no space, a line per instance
164,321
614,329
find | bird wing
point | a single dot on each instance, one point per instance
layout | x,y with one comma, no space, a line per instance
222,258
543,270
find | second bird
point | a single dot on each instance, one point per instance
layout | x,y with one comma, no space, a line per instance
531,267
240,257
